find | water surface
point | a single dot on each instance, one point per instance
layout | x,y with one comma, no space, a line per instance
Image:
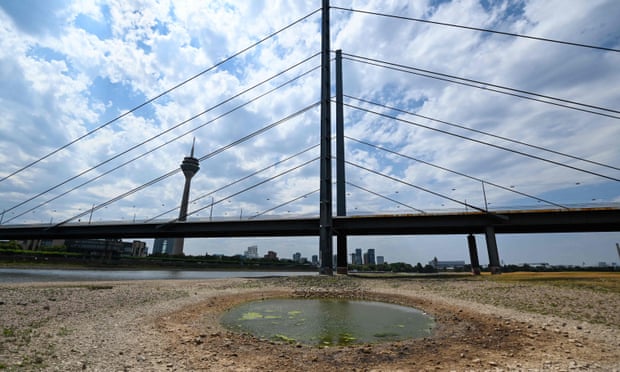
328,322
69,275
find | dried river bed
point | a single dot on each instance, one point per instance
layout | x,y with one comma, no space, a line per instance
175,325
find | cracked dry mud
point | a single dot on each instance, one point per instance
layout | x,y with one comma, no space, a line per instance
174,326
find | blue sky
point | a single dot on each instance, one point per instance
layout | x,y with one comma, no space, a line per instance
68,67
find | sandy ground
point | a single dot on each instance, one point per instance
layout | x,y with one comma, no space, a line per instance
174,326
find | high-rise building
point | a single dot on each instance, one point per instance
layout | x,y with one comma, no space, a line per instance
380,260
163,245
297,257
371,256
315,260
251,252
356,258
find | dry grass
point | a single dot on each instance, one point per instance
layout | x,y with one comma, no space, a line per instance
595,281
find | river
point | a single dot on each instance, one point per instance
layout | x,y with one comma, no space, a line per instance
69,275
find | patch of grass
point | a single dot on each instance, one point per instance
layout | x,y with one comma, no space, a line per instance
8,332
284,338
607,282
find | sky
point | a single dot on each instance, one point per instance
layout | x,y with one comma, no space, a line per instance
210,71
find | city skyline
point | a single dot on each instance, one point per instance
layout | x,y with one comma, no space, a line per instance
69,67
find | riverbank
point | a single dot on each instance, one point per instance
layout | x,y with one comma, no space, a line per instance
483,324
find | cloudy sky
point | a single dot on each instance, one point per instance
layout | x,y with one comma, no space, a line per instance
210,70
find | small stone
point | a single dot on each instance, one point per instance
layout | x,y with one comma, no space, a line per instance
493,364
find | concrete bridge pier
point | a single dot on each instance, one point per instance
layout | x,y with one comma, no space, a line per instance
473,254
494,266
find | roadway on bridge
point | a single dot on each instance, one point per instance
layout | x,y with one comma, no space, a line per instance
509,222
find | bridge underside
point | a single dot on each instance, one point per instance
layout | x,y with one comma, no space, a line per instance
510,222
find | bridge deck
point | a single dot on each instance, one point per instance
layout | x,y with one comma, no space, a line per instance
532,221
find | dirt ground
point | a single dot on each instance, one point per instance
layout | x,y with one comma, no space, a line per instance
482,324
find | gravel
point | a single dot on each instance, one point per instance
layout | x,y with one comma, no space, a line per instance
174,326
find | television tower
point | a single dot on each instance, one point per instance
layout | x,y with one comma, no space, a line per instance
190,167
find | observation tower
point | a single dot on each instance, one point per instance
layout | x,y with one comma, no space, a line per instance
190,166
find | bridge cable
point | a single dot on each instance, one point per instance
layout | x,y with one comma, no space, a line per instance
247,189
167,91
160,178
385,197
484,143
418,187
454,25
458,173
486,133
153,149
482,85
285,203
237,181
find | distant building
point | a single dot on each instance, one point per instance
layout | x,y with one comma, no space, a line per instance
446,265
315,260
96,247
271,255
139,249
163,245
92,247
371,257
380,260
251,252
42,244
537,265
297,257
356,258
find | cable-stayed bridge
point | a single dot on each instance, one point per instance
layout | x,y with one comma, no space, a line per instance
463,206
